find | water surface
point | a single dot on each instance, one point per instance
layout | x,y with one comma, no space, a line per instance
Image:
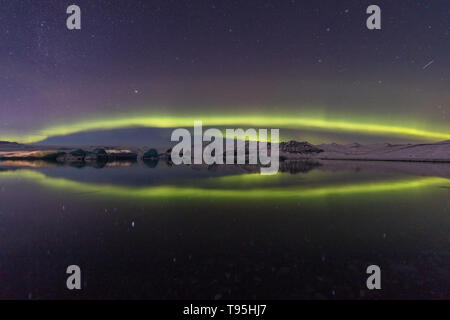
160,232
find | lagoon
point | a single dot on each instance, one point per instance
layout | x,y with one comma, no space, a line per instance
162,232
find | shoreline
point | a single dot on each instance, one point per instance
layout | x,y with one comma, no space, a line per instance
302,151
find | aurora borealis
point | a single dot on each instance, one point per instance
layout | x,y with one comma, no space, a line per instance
171,191
245,121
283,64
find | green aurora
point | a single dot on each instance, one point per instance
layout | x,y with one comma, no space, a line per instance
255,121
170,191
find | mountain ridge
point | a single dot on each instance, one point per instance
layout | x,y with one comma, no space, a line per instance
291,150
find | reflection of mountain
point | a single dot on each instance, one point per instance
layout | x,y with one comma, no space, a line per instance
296,166
292,150
164,170
151,163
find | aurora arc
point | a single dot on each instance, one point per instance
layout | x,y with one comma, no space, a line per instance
291,122
170,191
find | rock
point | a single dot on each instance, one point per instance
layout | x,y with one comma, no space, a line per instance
81,156
119,156
98,155
100,152
75,156
298,147
150,154
61,157
52,156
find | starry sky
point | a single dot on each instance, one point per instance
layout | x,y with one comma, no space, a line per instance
164,59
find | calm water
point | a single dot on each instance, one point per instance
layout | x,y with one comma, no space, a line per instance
180,232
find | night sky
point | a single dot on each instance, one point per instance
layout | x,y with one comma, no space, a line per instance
199,58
